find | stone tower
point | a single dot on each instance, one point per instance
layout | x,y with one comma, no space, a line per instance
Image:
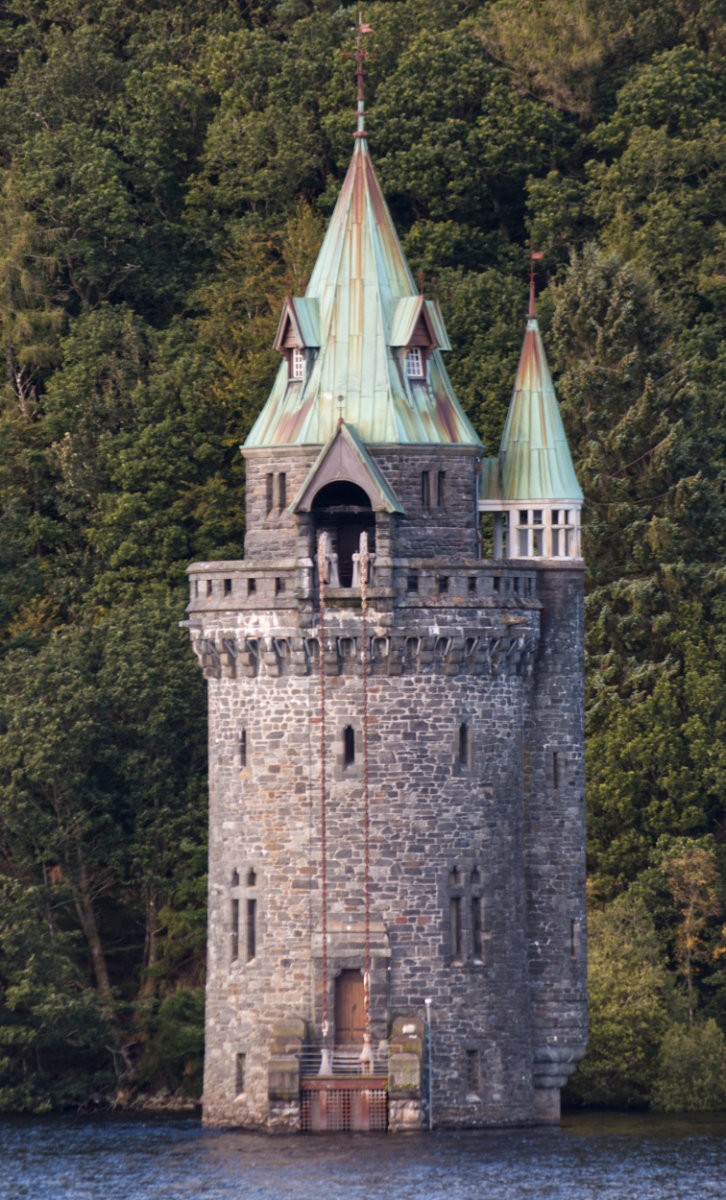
396,874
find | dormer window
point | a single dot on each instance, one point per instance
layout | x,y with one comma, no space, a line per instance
415,363
297,363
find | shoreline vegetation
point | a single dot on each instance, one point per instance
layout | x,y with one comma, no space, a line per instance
166,172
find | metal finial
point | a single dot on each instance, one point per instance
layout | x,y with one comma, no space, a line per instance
534,257
361,54
421,276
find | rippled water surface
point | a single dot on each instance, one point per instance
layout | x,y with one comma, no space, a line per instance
603,1158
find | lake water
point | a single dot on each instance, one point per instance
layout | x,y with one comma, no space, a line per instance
588,1158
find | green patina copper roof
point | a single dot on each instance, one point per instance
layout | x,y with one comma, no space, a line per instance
534,458
360,308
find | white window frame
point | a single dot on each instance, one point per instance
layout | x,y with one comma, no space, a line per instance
415,363
529,533
297,363
564,533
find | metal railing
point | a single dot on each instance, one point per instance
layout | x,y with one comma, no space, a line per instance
344,1061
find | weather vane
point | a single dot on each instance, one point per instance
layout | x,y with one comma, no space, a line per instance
361,54
535,256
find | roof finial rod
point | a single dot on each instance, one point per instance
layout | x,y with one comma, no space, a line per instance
535,256
361,54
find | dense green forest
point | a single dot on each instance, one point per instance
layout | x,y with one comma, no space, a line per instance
166,170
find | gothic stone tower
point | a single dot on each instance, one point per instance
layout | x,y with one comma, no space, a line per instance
396,886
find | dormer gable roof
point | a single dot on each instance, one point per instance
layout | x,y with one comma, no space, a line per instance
299,324
418,321
344,457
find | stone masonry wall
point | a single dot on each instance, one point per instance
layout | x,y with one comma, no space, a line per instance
431,814
447,524
555,836
444,525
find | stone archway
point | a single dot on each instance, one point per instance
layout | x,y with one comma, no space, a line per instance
343,510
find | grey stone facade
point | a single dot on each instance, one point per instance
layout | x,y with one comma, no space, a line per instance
474,729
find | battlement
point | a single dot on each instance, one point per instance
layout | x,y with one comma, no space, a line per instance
246,585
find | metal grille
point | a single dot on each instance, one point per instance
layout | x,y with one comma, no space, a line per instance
335,1108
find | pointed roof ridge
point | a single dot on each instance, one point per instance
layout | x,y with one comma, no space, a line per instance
359,277
344,456
534,455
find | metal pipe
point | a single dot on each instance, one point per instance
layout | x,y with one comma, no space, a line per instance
430,1065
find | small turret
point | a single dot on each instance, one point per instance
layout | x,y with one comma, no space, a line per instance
531,488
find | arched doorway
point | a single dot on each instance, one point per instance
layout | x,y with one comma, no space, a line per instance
343,510
350,1019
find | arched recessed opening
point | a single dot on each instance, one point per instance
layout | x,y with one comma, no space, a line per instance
343,510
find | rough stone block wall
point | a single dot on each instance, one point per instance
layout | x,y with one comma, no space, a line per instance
434,529
271,531
432,814
555,831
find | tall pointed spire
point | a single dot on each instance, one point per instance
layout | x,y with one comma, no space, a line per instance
535,458
532,487
352,333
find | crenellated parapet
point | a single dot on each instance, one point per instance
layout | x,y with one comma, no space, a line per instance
248,585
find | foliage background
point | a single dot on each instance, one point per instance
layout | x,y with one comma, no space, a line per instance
166,170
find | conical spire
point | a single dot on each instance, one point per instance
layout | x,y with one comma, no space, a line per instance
362,310
535,459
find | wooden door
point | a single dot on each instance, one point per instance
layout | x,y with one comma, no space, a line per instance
349,1009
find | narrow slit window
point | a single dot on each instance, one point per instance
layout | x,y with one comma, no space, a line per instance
210,587
412,583
455,927
282,490
348,746
472,1072
228,587
234,931
251,939
555,769
239,1073
441,489
442,584
269,494
574,938
243,749
251,587
477,943
463,744
425,489
471,585
279,586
